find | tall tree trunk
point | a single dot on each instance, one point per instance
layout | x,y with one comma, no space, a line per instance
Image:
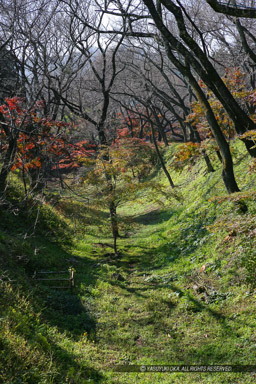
167,174
227,162
207,161
219,155
114,224
205,156
161,132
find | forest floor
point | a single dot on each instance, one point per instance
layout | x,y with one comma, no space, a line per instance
179,292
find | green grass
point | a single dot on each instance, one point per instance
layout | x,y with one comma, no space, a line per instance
181,290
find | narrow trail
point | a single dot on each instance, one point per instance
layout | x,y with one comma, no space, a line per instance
146,311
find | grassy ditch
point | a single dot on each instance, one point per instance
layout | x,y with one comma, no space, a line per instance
181,291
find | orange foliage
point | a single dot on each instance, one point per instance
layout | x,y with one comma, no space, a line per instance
186,155
37,140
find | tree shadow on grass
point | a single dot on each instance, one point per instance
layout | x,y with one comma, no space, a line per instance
195,305
152,318
88,215
69,314
67,365
62,308
152,218
181,243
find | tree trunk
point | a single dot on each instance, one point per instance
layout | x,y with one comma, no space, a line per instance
161,132
37,180
227,162
167,174
8,162
208,161
219,155
206,157
114,224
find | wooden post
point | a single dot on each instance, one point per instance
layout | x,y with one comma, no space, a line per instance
72,281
